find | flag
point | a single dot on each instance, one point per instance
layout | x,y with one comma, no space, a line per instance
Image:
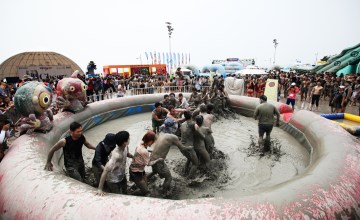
186,59
174,59
151,58
154,57
146,56
167,58
163,60
189,58
171,60
179,58
159,60
182,58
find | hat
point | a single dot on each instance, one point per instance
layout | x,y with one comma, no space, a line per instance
169,122
293,84
26,77
341,87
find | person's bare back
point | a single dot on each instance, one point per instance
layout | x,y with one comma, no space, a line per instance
162,145
208,119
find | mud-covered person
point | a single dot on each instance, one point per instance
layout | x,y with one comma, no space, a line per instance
165,103
208,120
195,98
102,152
114,170
158,116
224,97
265,113
160,150
72,148
187,139
140,160
199,140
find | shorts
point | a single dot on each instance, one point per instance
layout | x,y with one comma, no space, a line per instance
155,123
162,169
290,101
136,176
120,187
265,128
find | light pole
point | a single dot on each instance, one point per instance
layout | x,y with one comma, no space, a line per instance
275,45
170,30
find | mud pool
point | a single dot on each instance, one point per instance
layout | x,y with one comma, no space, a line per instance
238,169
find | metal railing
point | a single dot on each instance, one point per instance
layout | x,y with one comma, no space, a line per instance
141,91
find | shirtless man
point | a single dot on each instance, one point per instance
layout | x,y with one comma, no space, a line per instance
195,97
224,97
208,120
160,150
199,140
174,114
187,139
315,95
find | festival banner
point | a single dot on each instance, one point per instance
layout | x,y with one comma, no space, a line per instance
167,58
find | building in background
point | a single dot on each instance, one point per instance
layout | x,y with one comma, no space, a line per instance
129,70
39,65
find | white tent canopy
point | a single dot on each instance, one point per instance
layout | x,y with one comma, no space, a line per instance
251,71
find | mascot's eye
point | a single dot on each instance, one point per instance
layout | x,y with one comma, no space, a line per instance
72,88
44,100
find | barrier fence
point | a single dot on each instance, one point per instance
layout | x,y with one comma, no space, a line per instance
140,91
15,116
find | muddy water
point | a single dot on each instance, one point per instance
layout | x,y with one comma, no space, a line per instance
237,166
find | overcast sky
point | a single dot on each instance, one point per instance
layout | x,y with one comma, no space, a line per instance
118,31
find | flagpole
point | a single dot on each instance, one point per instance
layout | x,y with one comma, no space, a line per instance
170,30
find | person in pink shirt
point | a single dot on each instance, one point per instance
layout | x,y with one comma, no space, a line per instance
292,92
141,159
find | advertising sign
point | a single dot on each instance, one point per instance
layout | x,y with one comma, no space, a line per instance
44,72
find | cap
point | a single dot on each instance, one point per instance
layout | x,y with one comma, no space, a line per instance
341,87
169,122
293,84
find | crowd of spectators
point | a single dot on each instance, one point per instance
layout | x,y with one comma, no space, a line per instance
339,91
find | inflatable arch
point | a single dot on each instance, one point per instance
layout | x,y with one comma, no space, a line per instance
193,68
328,188
217,68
